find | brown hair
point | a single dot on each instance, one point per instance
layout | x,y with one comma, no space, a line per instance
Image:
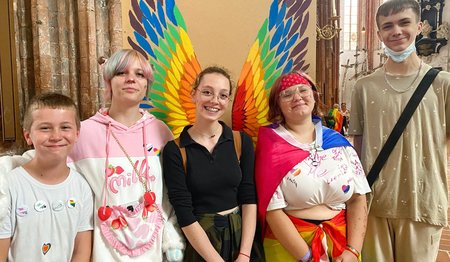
395,6
49,100
275,115
212,70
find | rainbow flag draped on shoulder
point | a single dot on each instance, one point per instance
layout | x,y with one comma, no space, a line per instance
275,157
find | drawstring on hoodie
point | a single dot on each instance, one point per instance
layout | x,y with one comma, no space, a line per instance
108,136
145,182
144,145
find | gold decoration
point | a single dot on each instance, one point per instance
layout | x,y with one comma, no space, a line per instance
329,31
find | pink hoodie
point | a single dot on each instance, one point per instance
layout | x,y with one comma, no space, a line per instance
97,147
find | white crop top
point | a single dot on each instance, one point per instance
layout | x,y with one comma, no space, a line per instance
329,177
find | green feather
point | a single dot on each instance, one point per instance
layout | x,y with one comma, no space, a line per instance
262,32
159,78
174,33
159,115
161,57
269,59
158,87
161,71
159,105
179,18
170,40
265,49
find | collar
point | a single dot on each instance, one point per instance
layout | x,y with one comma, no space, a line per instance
186,139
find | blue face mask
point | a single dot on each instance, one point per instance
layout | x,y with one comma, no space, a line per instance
402,55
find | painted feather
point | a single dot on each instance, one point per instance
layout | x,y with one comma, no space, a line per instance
160,34
280,47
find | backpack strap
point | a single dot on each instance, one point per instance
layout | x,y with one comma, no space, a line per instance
237,147
183,153
237,144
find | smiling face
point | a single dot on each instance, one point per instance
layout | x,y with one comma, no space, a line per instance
212,96
53,132
129,85
296,102
398,31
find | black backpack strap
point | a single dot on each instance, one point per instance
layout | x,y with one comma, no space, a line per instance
400,126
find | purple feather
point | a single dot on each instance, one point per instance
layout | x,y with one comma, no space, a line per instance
295,27
137,10
294,9
305,6
304,24
135,24
151,3
137,48
300,46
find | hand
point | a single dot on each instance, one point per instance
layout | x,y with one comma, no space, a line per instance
174,254
242,258
346,256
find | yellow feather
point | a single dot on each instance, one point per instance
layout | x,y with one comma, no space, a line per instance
256,65
253,51
180,54
259,98
178,116
177,69
256,78
174,105
187,45
262,114
171,87
178,122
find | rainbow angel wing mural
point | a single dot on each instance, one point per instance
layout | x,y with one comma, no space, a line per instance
161,35
278,48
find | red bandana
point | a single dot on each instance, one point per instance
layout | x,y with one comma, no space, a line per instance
292,80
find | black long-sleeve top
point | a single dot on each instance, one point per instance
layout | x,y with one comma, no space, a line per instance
214,181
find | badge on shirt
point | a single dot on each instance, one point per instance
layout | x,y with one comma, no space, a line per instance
71,203
58,205
22,211
40,205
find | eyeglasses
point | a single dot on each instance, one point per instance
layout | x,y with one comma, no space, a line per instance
288,94
224,97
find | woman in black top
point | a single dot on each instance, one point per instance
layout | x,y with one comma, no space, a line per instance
212,188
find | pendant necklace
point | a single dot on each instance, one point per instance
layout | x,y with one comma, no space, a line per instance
149,197
410,86
214,133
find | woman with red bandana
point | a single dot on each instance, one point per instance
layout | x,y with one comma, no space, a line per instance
310,184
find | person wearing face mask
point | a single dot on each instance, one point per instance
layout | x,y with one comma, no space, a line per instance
408,204
310,183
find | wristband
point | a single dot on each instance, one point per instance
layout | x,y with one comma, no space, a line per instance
306,257
245,255
353,251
